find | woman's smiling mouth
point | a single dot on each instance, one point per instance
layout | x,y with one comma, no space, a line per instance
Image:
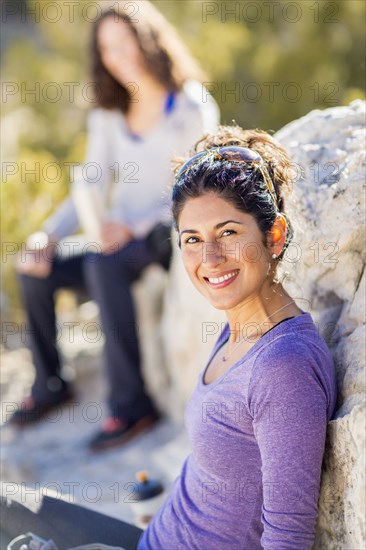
223,280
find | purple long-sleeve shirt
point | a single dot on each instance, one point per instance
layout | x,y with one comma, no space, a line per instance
257,435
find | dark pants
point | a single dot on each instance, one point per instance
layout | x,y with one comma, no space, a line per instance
108,280
66,524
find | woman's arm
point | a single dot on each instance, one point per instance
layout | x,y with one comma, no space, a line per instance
289,408
64,220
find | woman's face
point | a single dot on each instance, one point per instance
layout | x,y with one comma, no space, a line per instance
222,251
119,51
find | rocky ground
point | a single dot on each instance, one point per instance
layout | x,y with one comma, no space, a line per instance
53,456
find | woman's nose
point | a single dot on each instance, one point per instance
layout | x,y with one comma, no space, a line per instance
213,254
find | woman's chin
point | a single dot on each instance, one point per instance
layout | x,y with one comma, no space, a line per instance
222,303
128,79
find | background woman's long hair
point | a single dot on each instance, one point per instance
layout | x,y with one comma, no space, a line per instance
165,55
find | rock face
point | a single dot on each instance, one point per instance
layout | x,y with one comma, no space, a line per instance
176,352
326,267
324,270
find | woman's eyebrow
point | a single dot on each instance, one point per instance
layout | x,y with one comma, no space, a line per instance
218,226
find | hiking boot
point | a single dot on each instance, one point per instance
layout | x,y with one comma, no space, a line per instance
30,411
116,431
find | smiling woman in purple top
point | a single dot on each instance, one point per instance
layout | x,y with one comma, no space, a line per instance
257,418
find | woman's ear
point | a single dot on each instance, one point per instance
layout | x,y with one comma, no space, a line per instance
277,235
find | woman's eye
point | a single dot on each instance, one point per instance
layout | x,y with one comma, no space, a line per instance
191,240
227,233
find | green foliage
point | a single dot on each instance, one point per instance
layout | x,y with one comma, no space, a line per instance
268,63
279,69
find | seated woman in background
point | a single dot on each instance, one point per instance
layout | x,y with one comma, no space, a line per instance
151,106
258,416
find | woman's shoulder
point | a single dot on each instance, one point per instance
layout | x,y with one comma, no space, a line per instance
297,340
192,89
196,96
295,358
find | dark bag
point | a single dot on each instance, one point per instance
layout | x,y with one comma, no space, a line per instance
159,242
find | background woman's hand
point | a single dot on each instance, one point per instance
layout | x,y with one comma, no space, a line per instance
114,236
35,257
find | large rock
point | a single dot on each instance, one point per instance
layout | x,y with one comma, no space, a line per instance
324,271
175,350
328,198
